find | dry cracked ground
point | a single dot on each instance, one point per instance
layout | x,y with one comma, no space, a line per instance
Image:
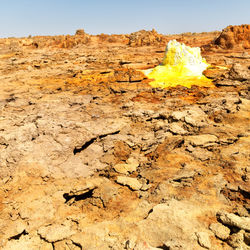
92,157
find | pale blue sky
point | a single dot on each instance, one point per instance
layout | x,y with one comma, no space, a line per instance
53,17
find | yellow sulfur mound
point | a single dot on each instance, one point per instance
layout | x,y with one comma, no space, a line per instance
182,65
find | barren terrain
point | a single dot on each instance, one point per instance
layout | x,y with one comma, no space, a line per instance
93,157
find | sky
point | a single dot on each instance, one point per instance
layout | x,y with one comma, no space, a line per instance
21,18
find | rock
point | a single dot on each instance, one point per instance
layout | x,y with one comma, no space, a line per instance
15,228
27,242
121,75
204,240
55,232
234,220
234,36
107,193
80,32
93,238
194,116
136,75
176,220
240,210
239,72
184,177
204,140
81,190
124,168
178,115
66,244
220,231
176,129
144,37
39,211
227,82
133,183
89,186
121,150
237,240
247,238
214,72
202,154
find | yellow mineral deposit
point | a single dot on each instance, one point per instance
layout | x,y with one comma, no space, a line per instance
182,65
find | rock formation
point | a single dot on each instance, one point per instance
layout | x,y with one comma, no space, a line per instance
234,37
145,38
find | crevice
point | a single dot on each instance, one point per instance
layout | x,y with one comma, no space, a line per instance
113,133
149,212
245,194
122,81
179,144
84,146
134,81
76,244
18,236
183,179
91,141
105,72
79,197
164,247
123,63
11,99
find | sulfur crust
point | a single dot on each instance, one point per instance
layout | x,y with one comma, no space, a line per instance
182,65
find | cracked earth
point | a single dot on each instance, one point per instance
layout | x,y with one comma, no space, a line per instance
93,157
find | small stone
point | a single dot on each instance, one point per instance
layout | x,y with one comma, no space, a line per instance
55,232
204,240
220,231
133,183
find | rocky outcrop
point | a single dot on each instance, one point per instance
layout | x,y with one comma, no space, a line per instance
234,37
145,38
80,32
